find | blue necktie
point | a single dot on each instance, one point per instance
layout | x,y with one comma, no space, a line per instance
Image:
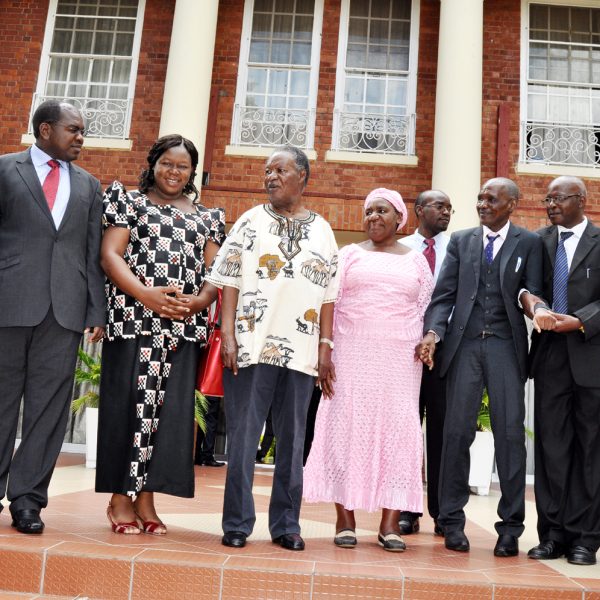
560,302
489,249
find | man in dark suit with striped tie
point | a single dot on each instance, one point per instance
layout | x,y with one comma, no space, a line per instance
51,289
566,370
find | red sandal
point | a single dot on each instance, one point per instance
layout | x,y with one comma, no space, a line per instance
153,527
132,528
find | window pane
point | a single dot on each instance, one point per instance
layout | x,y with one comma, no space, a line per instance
558,109
77,91
103,43
80,67
354,90
284,6
596,66
357,30
380,8
301,54
536,107
356,55
121,71
398,59
580,66
117,92
303,27
559,18
257,80
61,41
401,9
276,101
400,32
282,27
126,26
280,52
55,89
377,57
379,33
100,70
278,82
538,16
98,91
255,100
359,8
124,45
375,91
559,64
299,83
305,7
58,68
259,51
397,92
82,44
596,106
263,6
298,103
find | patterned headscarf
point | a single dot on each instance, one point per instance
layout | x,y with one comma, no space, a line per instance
394,198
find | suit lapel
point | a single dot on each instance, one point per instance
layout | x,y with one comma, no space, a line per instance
75,176
510,243
28,173
550,237
476,251
586,243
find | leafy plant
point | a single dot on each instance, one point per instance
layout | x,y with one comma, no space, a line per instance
88,372
484,422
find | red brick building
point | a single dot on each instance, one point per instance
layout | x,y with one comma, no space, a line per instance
396,93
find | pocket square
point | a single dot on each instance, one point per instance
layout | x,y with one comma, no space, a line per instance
518,264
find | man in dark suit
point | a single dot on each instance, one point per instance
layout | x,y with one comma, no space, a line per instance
566,370
51,288
485,346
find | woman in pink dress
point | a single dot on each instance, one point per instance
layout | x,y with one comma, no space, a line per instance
368,449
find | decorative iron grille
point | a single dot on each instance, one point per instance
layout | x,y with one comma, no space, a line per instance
103,118
255,126
374,132
560,144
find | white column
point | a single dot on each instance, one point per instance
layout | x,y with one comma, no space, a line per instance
189,72
458,108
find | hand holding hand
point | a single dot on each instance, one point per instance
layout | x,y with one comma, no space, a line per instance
425,350
544,319
95,334
163,301
566,323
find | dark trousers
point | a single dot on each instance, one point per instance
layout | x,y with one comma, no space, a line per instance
36,364
479,363
567,450
205,440
249,396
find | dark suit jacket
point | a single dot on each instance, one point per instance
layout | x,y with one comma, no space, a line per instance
40,265
456,289
584,302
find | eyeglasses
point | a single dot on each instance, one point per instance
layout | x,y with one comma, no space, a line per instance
440,207
72,129
559,199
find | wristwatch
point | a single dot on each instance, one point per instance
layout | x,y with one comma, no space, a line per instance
326,341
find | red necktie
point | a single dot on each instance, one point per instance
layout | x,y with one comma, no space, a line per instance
429,254
51,182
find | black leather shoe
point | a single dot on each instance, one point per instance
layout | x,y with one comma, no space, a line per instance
28,521
581,555
290,541
457,540
546,550
507,545
408,523
234,539
212,463
437,529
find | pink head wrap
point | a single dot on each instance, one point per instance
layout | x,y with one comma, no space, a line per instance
394,198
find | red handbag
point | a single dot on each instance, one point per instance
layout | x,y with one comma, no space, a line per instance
210,370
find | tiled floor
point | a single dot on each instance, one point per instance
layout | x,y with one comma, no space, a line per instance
79,557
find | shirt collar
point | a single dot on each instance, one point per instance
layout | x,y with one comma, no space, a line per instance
39,157
501,232
577,230
421,238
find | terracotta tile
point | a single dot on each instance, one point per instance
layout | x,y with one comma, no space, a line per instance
448,575
7,596
592,596
152,581
21,571
91,550
532,593
540,581
333,587
196,559
588,584
94,577
272,564
358,570
425,590
251,585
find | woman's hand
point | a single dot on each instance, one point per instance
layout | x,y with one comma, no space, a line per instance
326,376
229,351
163,301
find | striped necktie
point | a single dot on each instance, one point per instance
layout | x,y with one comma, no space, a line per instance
560,302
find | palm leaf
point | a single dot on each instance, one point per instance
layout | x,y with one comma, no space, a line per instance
200,408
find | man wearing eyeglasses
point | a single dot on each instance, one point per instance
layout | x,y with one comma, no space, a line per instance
51,289
433,209
566,371
474,311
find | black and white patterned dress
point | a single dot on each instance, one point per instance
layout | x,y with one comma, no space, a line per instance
142,349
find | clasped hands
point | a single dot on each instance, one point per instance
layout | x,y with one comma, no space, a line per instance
169,302
548,320
425,350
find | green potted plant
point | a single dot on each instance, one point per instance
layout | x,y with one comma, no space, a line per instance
87,375
482,451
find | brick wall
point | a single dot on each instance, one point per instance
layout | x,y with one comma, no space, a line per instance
336,190
501,85
21,37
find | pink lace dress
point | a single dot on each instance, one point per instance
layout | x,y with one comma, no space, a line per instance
368,446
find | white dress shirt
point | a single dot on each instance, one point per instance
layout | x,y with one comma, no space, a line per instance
571,243
499,240
416,241
40,162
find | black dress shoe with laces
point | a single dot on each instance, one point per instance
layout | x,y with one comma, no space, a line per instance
211,462
437,529
457,541
234,539
408,523
581,555
546,550
507,545
290,541
27,521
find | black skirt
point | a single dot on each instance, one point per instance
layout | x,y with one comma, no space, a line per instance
171,467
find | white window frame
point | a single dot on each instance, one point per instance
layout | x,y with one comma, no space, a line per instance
357,155
96,141
541,167
236,147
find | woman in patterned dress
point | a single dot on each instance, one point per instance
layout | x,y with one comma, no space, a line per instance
367,449
157,243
